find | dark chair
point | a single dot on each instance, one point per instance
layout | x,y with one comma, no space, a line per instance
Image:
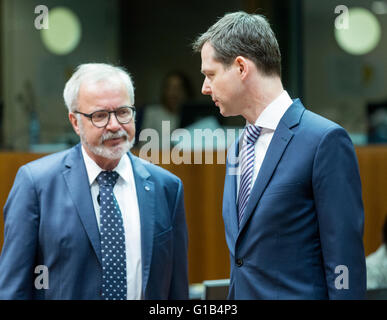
215,289
377,294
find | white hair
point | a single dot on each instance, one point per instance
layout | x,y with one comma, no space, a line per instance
94,72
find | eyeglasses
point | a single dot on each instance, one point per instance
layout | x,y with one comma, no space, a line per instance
101,118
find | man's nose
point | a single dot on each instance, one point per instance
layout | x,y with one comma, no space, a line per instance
113,124
206,89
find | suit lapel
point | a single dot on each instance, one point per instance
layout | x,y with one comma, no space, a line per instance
281,138
77,183
146,196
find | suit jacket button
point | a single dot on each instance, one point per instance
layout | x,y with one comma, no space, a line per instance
239,262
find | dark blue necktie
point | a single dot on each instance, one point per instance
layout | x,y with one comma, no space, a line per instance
247,158
112,231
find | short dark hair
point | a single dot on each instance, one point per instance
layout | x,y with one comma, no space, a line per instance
243,34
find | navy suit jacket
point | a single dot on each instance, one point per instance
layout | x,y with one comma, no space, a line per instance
50,220
303,225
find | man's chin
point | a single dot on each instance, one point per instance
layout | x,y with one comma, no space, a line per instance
223,112
116,151
228,113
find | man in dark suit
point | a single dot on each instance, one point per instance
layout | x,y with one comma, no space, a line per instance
292,204
94,221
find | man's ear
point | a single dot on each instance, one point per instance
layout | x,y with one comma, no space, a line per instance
242,65
74,121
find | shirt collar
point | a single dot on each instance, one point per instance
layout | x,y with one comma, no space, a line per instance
93,170
272,114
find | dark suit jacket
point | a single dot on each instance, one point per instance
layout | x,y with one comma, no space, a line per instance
304,218
50,220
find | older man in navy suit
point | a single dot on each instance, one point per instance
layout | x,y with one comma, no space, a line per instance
292,204
94,221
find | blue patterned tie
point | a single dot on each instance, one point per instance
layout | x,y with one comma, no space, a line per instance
112,240
247,156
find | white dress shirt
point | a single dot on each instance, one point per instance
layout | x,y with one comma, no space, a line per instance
125,193
268,120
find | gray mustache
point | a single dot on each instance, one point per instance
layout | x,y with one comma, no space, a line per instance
114,135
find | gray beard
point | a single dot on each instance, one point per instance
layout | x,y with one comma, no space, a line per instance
112,153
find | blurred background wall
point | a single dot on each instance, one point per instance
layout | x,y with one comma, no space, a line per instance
33,78
151,38
340,85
